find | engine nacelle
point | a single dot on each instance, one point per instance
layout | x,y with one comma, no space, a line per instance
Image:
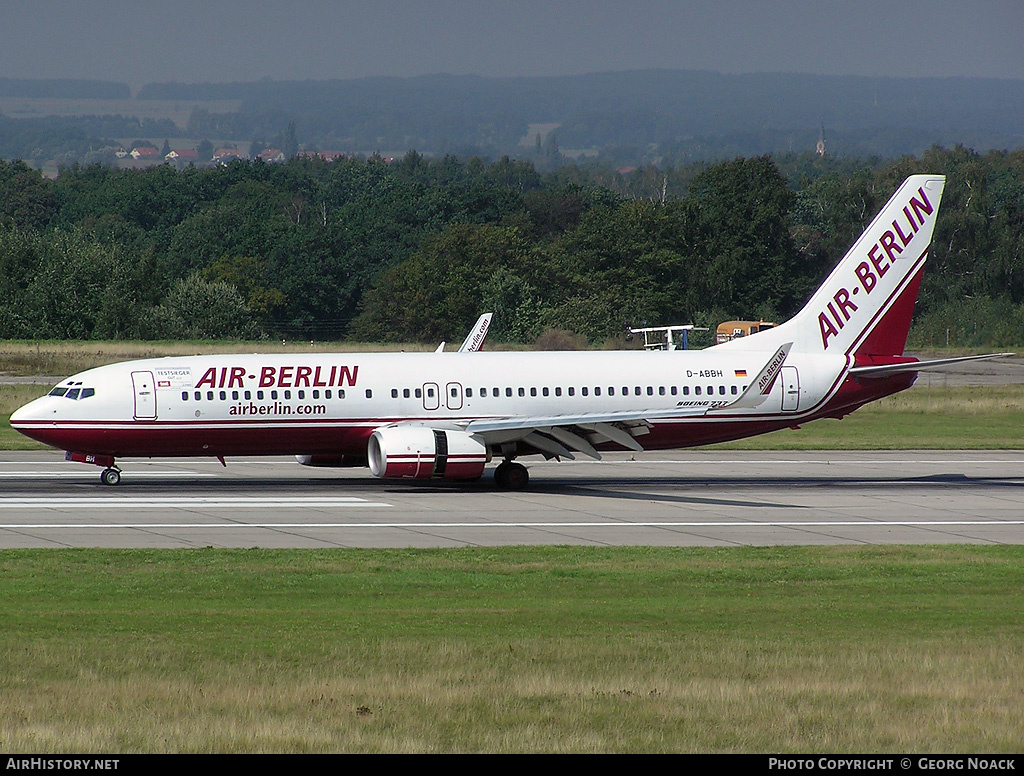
331,461
421,452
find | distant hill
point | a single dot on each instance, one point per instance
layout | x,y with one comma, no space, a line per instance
658,111
65,88
619,119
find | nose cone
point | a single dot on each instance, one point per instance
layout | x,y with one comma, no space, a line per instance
38,409
35,418
24,413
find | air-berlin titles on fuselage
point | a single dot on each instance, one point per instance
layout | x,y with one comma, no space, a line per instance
879,258
279,377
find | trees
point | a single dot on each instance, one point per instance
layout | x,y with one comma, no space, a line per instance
418,248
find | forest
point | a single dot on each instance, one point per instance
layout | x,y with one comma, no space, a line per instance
413,250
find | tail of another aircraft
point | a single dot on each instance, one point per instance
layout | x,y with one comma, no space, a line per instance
865,305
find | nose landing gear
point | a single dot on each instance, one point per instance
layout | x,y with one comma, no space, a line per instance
111,475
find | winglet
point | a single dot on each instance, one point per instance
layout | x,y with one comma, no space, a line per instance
475,339
761,385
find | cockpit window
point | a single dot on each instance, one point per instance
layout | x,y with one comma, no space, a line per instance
72,393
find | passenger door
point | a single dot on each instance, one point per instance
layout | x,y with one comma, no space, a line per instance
145,395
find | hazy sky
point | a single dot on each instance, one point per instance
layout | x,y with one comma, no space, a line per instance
142,41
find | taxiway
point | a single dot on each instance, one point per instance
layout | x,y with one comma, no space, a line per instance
680,499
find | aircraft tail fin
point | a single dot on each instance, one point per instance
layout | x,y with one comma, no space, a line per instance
864,307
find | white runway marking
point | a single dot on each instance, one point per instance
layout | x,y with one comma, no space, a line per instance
184,502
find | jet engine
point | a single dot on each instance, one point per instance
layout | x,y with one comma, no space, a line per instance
422,452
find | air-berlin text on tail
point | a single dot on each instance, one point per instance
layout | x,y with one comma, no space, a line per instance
279,377
880,258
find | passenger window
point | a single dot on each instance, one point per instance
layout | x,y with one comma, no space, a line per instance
661,390
302,394
273,395
597,391
686,390
247,395
558,390
733,390
508,391
198,395
483,393
522,392
650,391
469,393
533,392
721,390
418,392
287,395
259,395
674,390
546,391
369,394
316,394
405,393
637,390
696,390
341,394
394,393
184,395
327,393
234,395
583,391
223,395
572,391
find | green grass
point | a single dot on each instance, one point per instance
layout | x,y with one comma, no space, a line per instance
944,418
837,649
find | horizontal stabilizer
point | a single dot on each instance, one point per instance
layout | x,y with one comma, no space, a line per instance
885,370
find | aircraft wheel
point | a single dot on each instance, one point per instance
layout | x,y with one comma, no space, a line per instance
511,476
518,477
110,477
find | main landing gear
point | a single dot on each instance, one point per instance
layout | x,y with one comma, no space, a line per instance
511,476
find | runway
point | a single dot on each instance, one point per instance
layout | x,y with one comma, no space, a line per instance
696,498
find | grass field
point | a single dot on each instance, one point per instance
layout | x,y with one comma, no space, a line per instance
827,649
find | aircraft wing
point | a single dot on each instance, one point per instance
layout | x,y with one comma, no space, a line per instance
885,370
561,434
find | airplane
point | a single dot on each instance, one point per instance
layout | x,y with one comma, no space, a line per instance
440,416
